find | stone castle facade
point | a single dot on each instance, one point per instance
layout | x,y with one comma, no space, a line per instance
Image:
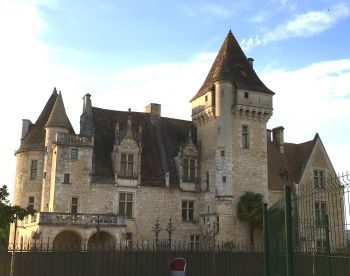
126,170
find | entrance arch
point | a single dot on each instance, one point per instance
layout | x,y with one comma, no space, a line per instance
102,240
67,240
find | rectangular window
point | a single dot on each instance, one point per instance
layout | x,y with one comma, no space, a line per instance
45,175
206,98
246,95
188,210
319,179
31,202
126,204
189,170
245,137
207,180
34,169
224,179
222,153
66,178
194,242
320,213
217,224
74,154
126,165
74,205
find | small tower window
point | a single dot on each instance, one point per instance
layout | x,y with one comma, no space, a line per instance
74,205
224,179
245,137
66,178
206,98
222,153
207,180
74,154
246,95
34,169
31,202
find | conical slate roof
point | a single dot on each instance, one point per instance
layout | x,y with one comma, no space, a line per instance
35,137
58,116
232,64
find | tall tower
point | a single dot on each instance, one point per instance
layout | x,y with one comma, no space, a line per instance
58,123
231,110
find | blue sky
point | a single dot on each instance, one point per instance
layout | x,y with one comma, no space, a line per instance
130,53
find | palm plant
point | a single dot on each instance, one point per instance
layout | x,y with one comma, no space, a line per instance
250,209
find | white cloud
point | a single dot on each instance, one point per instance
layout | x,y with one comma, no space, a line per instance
302,25
171,85
314,99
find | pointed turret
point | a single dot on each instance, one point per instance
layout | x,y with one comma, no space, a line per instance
231,64
58,116
34,138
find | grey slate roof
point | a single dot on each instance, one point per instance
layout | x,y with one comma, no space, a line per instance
232,64
160,142
35,137
293,160
58,116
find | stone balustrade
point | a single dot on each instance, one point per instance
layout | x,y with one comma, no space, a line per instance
86,220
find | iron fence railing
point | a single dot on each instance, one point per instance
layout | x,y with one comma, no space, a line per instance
318,227
136,258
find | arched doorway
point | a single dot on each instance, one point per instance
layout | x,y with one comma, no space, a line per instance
101,240
67,240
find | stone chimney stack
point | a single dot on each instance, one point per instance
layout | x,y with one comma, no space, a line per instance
87,103
278,138
86,125
154,109
251,62
25,127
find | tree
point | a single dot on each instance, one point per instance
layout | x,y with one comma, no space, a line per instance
9,214
250,209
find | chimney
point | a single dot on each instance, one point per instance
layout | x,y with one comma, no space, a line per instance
278,138
86,125
251,61
25,127
87,103
154,109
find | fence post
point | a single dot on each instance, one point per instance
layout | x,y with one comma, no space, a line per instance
266,241
289,229
328,247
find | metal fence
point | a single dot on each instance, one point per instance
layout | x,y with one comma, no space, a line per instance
139,258
308,231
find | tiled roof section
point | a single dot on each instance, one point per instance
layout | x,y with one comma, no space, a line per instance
173,132
293,160
58,116
35,137
232,64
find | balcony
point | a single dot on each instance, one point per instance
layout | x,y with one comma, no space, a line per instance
86,220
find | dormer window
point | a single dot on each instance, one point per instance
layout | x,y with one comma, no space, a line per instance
189,170
126,165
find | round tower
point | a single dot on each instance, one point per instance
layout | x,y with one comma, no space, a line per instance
58,123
